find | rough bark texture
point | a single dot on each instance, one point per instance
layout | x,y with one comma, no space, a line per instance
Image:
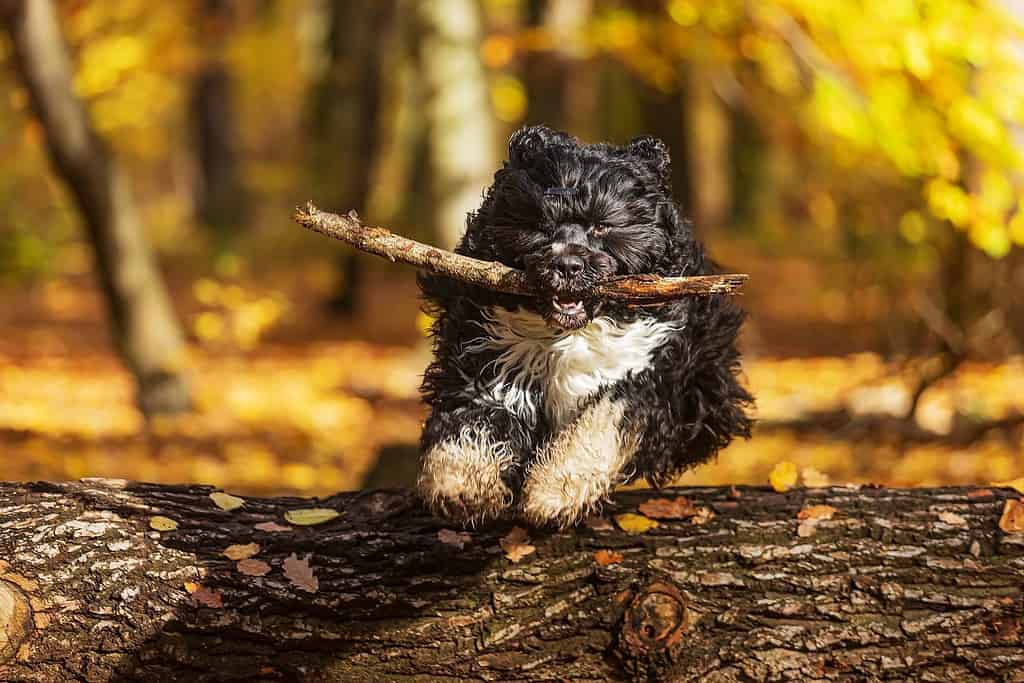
144,326
639,290
898,585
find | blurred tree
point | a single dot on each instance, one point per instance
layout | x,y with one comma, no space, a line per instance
461,127
144,326
219,198
347,113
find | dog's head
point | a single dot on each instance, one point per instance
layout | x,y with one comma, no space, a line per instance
572,215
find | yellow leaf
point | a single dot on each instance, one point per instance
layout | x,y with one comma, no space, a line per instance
783,476
1017,484
161,523
635,524
311,516
241,552
1012,520
225,501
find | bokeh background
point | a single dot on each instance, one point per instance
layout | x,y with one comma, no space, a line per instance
861,160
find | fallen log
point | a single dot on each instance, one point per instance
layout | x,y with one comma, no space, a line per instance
107,580
636,290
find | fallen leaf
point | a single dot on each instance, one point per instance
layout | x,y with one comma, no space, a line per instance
635,524
207,597
272,527
311,516
161,523
516,544
668,508
251,567
225,501
598,524
814,479
980,493
783,476
735,493
807,528
816,512
459,539
703,516
300,573
191,587
952,519
607,557
241,552
1012,520
1015,484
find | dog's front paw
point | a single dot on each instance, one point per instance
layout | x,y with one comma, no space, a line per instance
578,468
461,480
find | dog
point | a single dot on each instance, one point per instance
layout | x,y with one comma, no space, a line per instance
540,406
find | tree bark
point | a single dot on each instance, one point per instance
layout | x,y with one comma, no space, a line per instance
461,126
898,585
144,326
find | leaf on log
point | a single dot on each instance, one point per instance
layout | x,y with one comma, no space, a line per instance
300,573
311,516
272,527
633,523
783,476
1012,521
225,501
161,523
607,557
459,539
1015,484
208,597
251,567
241,552
668,508
814,479
816,512
516,544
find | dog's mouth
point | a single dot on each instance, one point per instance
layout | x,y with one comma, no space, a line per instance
567,311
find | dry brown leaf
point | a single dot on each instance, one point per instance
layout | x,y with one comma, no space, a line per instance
272,527
516,544
783,476
703,516
1012,521
241,552
161,523
735,493
980,493
952,519
816,512
814,479
607,557
207,597
635,524
300,573
225,501
311,516
251,567
668,508
459,539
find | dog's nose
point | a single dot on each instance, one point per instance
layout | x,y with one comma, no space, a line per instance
569,265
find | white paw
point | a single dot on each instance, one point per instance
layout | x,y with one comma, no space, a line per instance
461,480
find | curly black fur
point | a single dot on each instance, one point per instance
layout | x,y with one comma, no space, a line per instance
610,211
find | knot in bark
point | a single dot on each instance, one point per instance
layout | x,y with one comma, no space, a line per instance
652,630
15,620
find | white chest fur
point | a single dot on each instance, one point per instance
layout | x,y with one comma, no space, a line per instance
567,366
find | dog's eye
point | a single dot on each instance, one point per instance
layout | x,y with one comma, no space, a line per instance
599,230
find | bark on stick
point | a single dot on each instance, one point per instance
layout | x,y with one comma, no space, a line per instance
897,585
637,290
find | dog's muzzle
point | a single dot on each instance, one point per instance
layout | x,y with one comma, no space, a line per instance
566,275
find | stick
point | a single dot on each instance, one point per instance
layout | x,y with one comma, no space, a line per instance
636,290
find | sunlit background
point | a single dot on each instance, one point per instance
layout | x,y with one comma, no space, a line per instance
861,160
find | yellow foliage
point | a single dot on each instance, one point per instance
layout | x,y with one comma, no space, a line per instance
783,476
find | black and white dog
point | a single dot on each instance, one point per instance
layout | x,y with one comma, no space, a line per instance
542,405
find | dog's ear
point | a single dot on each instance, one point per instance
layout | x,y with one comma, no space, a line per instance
655,153
526,142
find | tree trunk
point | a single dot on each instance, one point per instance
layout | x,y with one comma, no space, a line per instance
219,197
144,326
898,585
709,163
461,127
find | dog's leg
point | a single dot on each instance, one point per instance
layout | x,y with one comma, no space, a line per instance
580,466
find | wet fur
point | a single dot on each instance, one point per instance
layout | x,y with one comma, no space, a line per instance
494,355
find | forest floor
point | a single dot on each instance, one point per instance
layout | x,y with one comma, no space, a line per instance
292,399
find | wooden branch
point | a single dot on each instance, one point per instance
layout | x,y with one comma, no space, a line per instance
637,290
897,585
